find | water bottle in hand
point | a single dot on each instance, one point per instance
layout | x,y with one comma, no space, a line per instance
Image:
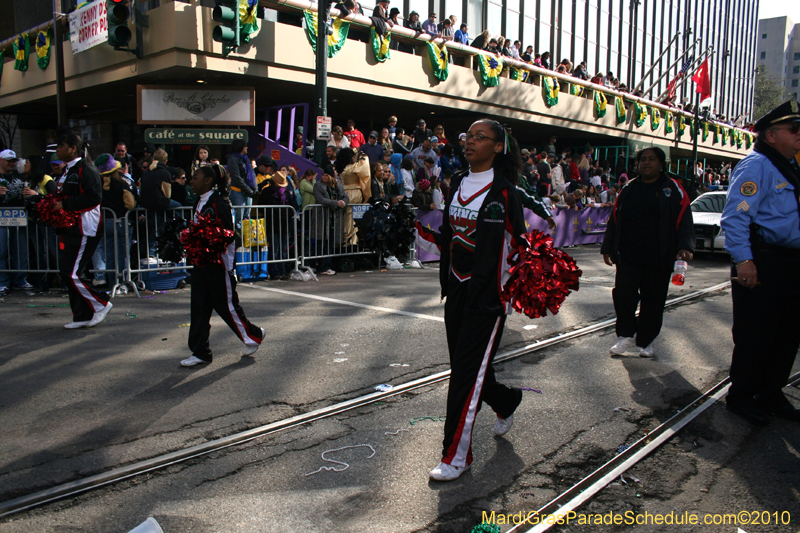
679,272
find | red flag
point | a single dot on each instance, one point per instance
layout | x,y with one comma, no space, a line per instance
703,81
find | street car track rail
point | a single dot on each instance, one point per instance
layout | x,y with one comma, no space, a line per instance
79,486
586,488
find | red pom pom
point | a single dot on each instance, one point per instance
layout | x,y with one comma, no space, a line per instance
58,218
205,242
541,276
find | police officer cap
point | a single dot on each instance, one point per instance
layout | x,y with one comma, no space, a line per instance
267,161
786,112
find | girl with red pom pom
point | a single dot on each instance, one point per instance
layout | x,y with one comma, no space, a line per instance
214,286
485,221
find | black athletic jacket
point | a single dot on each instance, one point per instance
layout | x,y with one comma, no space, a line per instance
675,230
221,215
84,191
500,225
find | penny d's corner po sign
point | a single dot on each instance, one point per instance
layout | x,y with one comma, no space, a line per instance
207,106
194,136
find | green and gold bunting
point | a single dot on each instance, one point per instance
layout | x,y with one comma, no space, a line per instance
43,46
380,45
655,118
518,74
669,122
600,103
716,134
748,140
22,48
576,90
622,113
724,136
704,125
738,138
551,89
440,60
640,113
681,125
248,19
335,40
491,67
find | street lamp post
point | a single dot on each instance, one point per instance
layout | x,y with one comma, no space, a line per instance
321,83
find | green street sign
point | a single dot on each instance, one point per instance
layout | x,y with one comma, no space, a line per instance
193,136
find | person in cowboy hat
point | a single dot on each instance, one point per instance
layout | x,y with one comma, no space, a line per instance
762,234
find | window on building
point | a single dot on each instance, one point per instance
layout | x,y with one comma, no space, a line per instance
796,70
763,35
797,56
794,96
794,83
763,55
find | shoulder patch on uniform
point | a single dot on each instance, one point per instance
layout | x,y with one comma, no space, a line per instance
749,188
782,184
667,191
743,205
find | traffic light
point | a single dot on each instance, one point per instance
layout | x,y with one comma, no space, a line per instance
227,13
118,13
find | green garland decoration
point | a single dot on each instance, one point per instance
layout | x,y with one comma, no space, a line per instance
380,45
669,122
248,19
576,90
490,67
600,104
622,112
43,46
22,49
551,90
655,118
335,40
640,112
440,60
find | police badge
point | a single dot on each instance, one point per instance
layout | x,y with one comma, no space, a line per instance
667,192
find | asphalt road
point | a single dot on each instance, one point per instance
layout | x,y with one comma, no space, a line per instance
74,403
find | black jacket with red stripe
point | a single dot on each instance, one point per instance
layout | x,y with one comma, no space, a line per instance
675,223
219,211
83,189
500,225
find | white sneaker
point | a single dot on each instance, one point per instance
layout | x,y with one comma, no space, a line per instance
446,472
647,351
502,425
76,325
329,272
250,349
623,345
193,361
99,316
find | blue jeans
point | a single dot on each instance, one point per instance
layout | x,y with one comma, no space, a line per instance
278,249
104,256
239,199
13,252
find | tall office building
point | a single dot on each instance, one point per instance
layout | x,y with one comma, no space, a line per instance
779,51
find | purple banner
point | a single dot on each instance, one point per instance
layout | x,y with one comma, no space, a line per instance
573,227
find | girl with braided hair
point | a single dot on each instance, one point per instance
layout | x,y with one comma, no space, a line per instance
484,221
214,286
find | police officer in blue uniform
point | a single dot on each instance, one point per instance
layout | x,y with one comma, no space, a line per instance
762,234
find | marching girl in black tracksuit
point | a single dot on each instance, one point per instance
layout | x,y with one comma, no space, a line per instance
485,220
83,190
214,287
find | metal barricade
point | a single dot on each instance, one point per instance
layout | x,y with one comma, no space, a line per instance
29,252
330,232
268,236
143,226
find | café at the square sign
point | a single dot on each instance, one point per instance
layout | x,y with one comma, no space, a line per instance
229,106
